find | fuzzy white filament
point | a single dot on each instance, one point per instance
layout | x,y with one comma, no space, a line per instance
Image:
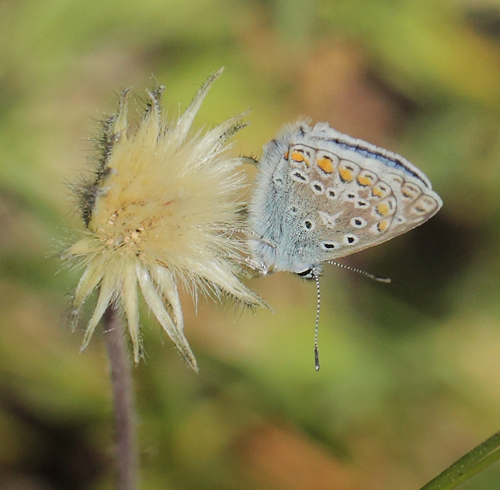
160,211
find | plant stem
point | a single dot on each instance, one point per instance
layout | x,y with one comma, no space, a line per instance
467,466
123,402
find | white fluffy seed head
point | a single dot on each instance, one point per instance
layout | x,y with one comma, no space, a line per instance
162,209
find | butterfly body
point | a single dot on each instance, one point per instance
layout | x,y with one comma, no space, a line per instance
321,195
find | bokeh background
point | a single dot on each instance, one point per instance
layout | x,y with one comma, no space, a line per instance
410,371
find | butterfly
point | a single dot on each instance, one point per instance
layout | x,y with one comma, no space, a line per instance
321,195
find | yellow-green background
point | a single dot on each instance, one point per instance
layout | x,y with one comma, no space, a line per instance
410,371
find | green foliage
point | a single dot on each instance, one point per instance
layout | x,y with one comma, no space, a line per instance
409,377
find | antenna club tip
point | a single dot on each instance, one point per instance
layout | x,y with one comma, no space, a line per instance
386,280
316,357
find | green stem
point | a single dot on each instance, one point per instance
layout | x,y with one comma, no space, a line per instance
123,402
467,466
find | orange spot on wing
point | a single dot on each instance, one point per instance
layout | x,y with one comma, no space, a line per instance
325,164
408,194
410,191
346,174
383,225
364,181
383,209
377,192
297,156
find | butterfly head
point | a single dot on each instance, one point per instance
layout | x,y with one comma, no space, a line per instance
311,273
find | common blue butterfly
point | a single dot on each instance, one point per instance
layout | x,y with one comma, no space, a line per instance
321,195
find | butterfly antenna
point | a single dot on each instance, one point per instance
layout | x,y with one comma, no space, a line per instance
385,280
318,303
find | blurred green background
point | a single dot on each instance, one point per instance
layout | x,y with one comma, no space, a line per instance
410,371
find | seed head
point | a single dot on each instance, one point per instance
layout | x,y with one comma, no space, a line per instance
162,209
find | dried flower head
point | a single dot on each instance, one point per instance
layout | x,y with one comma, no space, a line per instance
161,209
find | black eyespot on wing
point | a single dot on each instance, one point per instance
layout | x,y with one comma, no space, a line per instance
350,239
317,187
299,176
358,222
330,245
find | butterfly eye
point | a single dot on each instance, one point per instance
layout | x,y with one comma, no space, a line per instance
307,274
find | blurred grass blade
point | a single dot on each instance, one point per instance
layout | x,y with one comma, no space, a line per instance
467,466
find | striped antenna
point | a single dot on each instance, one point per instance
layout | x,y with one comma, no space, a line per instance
315,275
385,280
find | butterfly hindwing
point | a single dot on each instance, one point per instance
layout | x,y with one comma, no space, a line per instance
322,195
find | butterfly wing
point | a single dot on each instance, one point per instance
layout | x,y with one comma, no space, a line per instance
358,195
321,195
